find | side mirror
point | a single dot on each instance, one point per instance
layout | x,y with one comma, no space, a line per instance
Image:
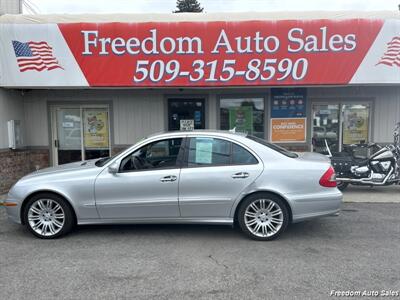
113,168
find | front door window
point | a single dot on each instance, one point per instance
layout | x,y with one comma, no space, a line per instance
158,155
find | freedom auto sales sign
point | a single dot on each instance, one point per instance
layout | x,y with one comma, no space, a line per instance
176,54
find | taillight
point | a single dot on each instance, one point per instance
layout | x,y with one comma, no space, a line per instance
329,178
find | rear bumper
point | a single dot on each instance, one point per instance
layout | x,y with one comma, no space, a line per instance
305,217
315,205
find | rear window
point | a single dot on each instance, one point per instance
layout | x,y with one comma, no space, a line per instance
274,147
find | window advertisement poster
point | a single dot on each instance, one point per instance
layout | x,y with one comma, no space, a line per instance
96,129
288,130
355,125
288,115
204,151
187,125
241,118
288,103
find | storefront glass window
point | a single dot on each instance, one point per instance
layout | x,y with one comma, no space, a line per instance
355,123
96,134
244,114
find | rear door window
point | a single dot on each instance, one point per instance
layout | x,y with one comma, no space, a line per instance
206,151
241,156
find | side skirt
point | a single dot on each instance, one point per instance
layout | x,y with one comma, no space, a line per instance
214,221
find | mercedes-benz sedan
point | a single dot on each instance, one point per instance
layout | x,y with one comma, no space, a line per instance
208,177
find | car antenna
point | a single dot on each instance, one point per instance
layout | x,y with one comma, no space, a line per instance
327,148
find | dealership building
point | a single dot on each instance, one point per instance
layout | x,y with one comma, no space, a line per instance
76,87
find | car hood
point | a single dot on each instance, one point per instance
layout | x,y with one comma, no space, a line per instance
64,168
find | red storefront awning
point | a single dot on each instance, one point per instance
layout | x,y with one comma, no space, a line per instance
199,50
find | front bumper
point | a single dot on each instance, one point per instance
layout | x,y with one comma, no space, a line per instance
13,208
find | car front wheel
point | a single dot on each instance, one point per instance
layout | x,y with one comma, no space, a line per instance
263,216
48,216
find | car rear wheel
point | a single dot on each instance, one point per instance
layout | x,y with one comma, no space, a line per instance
48,216
263,216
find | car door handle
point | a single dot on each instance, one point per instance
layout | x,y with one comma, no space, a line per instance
169,178
240,175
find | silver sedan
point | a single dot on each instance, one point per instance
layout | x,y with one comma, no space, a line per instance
202,177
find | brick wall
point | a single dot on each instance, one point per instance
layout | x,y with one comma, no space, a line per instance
16,163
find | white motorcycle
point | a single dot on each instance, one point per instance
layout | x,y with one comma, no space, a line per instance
380,168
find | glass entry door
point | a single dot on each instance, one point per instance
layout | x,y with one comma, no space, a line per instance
80,133
325,127
186,114
69,135
340,124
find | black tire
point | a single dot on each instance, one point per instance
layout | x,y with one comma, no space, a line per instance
342,185
257,198
68,221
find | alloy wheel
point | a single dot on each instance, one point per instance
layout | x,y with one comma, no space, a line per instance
46,217
263,218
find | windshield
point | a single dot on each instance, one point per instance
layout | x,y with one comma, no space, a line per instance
274,147
102,161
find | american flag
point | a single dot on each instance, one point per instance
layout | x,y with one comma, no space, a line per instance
35,56
392,55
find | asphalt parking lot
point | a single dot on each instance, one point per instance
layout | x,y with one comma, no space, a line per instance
358,250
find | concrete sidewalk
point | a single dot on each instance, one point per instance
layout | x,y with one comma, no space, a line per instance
383,194
386,194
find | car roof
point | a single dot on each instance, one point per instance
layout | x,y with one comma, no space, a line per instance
221,133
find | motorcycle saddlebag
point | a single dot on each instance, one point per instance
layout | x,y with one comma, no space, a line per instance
342,165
